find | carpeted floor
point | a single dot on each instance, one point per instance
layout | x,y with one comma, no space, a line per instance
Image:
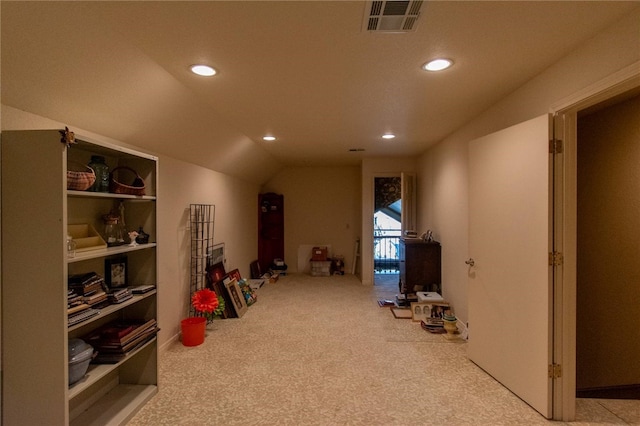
319,351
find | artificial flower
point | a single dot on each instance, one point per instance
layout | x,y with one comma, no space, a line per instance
207,302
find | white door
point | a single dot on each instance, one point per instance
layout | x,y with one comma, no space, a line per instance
510,298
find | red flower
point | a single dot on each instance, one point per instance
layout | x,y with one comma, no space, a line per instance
205,300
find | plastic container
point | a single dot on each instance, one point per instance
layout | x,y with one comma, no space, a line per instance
80,355
193,330
320,268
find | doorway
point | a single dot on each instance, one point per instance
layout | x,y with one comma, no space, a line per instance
608,243
623,84
387,228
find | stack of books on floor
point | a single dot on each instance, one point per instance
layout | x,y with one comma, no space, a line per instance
433,325
116,340
405,299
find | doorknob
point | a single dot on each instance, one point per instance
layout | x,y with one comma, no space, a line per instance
470,262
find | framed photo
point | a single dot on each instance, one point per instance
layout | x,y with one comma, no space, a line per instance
116,272
215,254
235,274
420,311
236,296
215,273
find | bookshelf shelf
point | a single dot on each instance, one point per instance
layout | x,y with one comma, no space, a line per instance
109,251
105,312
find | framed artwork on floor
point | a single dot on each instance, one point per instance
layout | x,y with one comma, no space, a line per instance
236,296
420,311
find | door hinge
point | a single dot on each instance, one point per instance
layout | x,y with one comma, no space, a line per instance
555,371
555,146
556,258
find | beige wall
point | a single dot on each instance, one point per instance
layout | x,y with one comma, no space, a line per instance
321,207
608,247
179,185
442,170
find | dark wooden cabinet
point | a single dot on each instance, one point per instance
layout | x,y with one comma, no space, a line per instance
270,229
420,266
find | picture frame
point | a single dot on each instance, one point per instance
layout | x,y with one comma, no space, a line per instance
215,273
420,311
116,272
215,254
235,274
236,296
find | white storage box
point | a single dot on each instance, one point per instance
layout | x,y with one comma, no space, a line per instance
429,296
320,268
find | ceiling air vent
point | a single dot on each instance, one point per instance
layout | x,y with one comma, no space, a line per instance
392,15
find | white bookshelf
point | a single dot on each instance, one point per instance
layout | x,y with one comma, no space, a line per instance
36,209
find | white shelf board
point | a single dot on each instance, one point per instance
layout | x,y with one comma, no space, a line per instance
88,194
103,252
117,407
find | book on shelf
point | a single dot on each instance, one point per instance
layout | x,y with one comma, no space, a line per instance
115,340
81,316
87,284
119,296
95,298
141,289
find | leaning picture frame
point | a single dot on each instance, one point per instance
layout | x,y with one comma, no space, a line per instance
420,311
236,296
235,274
116,272
215,254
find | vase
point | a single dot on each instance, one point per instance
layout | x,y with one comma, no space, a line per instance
450,326
193,329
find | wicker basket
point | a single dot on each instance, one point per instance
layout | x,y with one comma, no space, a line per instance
80,180
137,187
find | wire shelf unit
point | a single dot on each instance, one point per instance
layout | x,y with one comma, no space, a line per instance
201,219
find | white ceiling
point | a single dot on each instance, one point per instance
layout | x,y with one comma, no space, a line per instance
305,72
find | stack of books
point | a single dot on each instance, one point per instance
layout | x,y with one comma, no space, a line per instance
116,340
91,287
433,325
120,295
405,299
78,310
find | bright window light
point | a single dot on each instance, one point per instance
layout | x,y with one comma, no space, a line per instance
269,138
203,70
388,136
437,65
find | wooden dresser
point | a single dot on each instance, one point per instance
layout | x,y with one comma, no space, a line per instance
420,266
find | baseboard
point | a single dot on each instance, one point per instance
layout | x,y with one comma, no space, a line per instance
462,328
611,392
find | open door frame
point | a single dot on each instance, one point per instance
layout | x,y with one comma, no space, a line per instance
565,230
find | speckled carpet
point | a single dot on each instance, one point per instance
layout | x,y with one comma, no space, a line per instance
319,351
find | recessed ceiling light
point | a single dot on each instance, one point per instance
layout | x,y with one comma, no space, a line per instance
388,136
437,65
203,70
269,138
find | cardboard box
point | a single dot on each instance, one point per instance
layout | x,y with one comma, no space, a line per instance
319,254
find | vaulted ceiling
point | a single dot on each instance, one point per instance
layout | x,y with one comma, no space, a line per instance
306,72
